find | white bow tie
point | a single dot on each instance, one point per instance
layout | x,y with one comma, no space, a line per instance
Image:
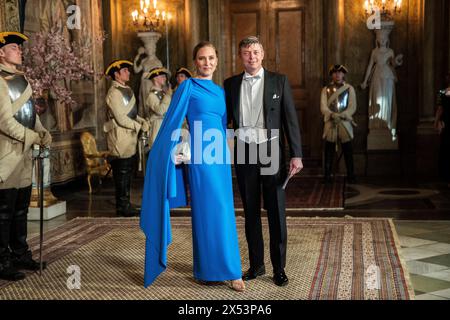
248,77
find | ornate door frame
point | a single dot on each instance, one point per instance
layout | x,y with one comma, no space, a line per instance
314,55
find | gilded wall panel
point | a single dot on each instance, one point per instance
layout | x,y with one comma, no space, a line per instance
9,15
66,123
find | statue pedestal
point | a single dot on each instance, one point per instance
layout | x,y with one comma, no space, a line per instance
52,206
381,139
53,211
150,39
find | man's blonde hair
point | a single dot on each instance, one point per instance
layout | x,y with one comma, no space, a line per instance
249,41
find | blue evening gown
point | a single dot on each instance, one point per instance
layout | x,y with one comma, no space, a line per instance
214,234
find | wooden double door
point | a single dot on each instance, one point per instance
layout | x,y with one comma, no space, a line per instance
290,31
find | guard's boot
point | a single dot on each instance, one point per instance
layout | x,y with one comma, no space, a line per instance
21,256
330,150
6,213
26,262
120,173
136,210
347,148
18,236
7,270
133,209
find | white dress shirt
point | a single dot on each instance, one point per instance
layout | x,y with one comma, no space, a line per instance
252,126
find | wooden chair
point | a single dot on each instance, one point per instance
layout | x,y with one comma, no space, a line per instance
96,162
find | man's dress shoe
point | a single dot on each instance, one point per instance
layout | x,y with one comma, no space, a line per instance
254,273
280,279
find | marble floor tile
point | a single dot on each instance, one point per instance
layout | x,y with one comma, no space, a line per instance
34,226
434,225
428,285
418,293
406,230
417,253
441,275
434,236
443,260
409,242
428,296
443,248
442,293
421,268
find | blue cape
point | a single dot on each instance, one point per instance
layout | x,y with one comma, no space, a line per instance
164,187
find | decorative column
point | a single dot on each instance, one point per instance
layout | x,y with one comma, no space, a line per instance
216,27
334,17
427,140
196,25
448,37
117,27
427,107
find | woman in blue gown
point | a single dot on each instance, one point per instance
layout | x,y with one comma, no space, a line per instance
214,234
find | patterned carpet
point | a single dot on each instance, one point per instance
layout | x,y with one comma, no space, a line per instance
303,193
328,259
307,194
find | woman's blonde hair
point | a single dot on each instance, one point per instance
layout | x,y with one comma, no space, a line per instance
202,45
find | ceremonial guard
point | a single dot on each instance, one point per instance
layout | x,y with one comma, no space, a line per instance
122,134
182,75
157,102
338,105
20,129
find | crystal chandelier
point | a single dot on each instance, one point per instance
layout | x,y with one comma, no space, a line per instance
149,17
387,8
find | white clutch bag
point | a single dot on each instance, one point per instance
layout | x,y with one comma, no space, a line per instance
184,150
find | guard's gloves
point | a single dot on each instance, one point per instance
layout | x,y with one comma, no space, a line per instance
336,118
46,139
145,127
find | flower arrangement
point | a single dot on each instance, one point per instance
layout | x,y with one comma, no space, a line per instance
51,62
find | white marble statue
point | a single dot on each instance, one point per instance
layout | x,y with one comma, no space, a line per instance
381,75
144,61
